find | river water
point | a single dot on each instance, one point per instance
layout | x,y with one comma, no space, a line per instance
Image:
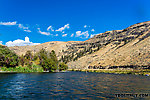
71,85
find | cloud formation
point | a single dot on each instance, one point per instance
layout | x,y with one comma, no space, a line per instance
44,33
92,35
64,35
63,28
78,33
93,30
50,28
72,35
8,23
20,42
85,34
1,42
85,26
26,29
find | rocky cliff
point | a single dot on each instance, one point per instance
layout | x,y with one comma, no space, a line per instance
130,46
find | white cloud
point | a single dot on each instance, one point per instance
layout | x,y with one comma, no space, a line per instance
93,30
26,29
92,35
44,33
64,35
8,23
79,33
72,35
22,27
86,34
56,35
85,26
20,42
50,28
27,39
1,42
63,28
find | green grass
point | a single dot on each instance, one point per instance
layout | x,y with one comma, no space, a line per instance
117,71
33,68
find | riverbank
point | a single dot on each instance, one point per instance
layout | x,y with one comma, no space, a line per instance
19,69
117,71
34,68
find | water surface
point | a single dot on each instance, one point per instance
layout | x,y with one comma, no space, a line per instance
70,85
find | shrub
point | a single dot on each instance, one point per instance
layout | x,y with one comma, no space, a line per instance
63,66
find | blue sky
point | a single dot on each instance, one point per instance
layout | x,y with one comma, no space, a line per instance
66,20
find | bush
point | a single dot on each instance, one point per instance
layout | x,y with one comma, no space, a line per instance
63,66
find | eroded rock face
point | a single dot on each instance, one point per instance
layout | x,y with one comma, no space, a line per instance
130,46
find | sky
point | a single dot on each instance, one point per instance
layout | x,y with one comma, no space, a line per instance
31,22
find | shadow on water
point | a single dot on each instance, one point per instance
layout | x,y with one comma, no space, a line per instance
70,85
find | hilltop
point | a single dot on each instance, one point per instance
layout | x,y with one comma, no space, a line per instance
127,47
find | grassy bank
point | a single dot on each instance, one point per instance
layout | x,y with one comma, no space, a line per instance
34,68
117,71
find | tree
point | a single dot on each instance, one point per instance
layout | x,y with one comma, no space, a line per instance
7,57
21,60
90,51
98,47
28,55
62,66
53,56
48,61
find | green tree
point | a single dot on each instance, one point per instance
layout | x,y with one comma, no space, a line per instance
48,61
28,55
21,60
63,66
7,57
53,56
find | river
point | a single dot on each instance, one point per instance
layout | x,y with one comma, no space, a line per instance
71,85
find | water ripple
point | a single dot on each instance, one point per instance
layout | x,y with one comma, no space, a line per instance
70,85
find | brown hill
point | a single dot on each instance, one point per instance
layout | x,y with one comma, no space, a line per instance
130,46
58,46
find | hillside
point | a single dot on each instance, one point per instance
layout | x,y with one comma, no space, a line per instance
130,46
58,46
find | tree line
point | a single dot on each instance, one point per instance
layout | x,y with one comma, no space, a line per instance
47,60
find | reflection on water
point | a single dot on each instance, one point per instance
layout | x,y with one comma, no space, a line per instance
70,85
